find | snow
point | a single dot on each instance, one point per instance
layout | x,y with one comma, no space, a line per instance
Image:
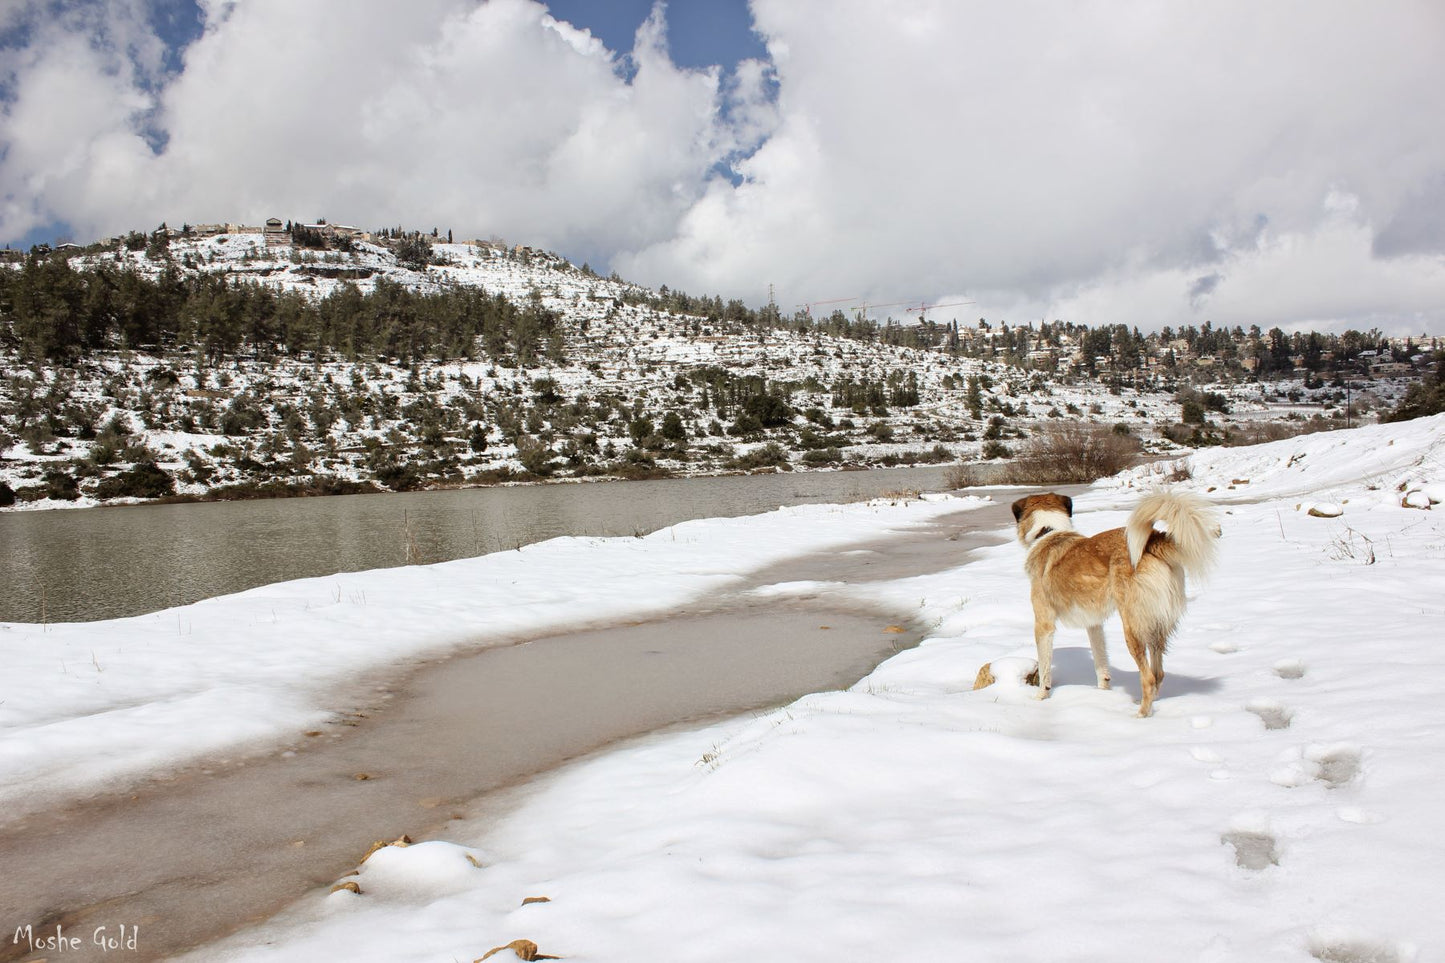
1280,804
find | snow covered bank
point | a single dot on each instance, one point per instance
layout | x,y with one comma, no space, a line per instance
1378,464
86,703
1279,805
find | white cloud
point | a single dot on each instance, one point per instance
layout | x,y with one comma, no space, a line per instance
73,125
1325,278
1135,162
1084,157
488,118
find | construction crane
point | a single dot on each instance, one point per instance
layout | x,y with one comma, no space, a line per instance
808,306
921,306
924,307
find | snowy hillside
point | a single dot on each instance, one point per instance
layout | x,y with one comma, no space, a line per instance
632,389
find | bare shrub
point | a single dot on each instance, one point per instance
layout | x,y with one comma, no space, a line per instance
1257,433
979,474
1073,452
970,475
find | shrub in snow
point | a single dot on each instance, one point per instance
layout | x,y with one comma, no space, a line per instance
142,481
995,449
770,454
60,485
1074,451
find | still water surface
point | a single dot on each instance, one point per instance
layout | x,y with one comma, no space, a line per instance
86,564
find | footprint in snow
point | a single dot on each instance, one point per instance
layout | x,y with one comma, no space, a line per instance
1341,946
1253,850
1211,758
1271,713
1289,669
1335,766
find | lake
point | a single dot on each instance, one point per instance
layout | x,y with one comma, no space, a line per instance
102,563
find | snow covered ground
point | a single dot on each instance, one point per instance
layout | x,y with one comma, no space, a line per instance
1279,805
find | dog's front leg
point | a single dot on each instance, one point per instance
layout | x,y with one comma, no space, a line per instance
1044,642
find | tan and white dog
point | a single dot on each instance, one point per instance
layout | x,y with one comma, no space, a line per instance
1139,572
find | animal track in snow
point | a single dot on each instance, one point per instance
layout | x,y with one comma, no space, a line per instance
1332,765
1252,850
1336,946
1289,669
1337,765
1271,713
1224,647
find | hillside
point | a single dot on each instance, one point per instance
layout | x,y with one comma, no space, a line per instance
610,380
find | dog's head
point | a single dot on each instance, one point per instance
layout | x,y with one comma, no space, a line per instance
1038,515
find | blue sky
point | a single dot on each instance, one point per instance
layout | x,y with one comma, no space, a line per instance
700,33
1133,162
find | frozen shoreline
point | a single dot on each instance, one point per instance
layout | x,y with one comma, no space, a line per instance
419,754
87,705
1271,808
432,742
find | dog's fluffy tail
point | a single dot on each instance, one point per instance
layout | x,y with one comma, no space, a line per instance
1191,525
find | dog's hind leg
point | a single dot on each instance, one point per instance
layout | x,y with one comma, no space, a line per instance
1101,657
1148,685
1156,658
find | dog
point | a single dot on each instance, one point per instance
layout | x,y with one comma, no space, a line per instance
1078,581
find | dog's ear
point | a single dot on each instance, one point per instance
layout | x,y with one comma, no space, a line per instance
1068,505
1019,508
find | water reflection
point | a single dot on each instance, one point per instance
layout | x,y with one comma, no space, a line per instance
104,563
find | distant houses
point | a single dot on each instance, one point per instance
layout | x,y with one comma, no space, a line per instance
274,230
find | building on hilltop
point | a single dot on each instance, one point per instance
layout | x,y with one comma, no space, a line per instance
333,231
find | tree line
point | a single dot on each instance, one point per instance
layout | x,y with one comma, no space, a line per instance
52,312
1274,351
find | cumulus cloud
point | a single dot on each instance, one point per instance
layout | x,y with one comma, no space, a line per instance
1103,158
492,118
1098,162
78,109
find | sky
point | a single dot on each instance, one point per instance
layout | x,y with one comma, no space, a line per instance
1125,162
